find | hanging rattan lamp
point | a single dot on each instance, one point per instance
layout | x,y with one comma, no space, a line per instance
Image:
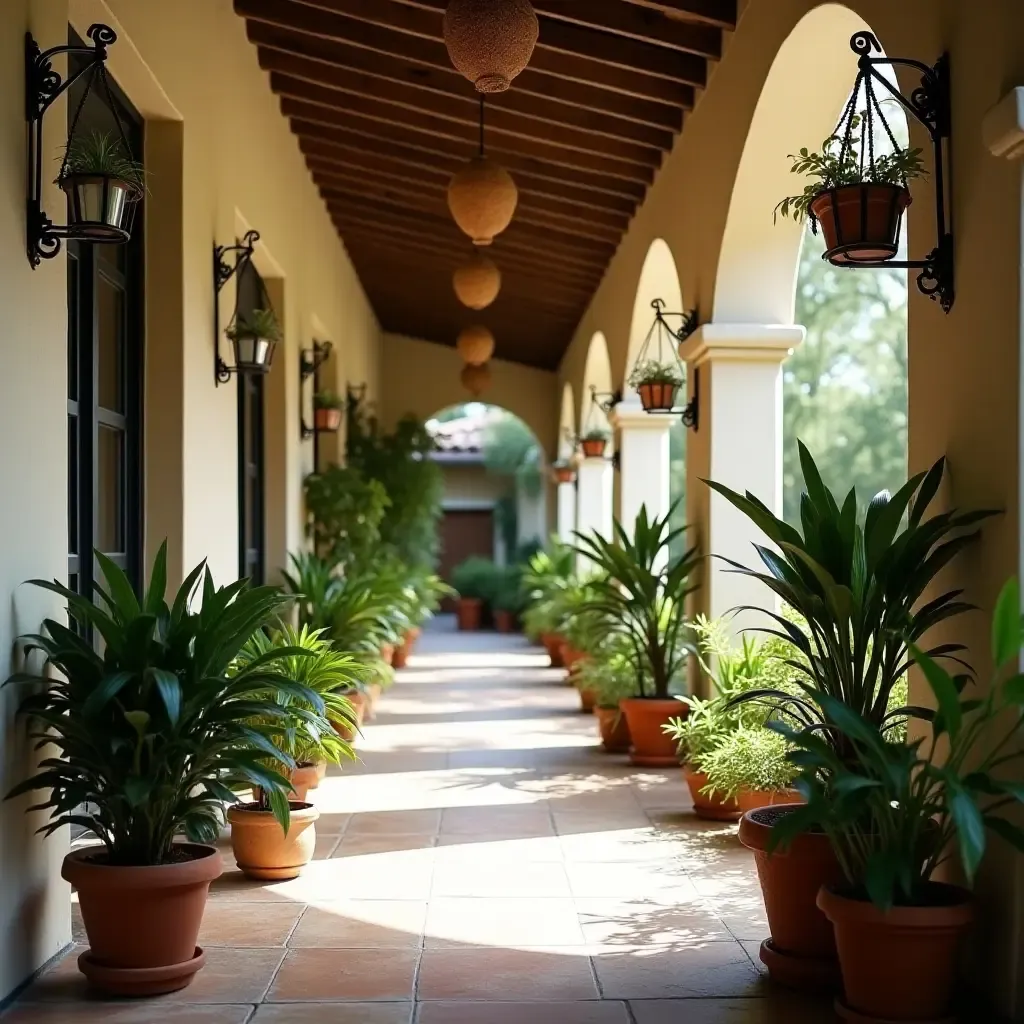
475,344
477,282
476,379
490,41
482,196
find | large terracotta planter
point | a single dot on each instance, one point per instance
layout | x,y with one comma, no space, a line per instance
404,649
468,612
652,748
801,951
898,965
261,847
711,808
588,699
571,655
358,700
387,653
552,643
864,220
752,799
658,396
303,778
321,771
614,730
373,695
142,922
504,621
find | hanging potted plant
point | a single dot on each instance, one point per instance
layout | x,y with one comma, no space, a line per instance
327,409
154,735
594,442
657,384
857,581
255,336
103,185
563,471
857,200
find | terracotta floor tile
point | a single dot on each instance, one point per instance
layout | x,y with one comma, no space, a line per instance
711,969
248,924
107,1012
590,1012
636,923
333,1013
484,879
392,924
497,848
502,922
520,821
663,881
371,845
505,975
419,822
356,975
775,1008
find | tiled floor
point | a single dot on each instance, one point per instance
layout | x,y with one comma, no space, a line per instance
484,864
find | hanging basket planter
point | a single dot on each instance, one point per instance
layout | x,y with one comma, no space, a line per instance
326,420
482,198
658,395
861,222
101,207
490,41
563,473
593,447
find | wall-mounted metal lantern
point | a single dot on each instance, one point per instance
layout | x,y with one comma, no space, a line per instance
326,413
102,182
861,222
254,332
660,373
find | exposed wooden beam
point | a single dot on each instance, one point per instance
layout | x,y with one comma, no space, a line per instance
363,72
719,13
545,89
421,108
374,26
359,132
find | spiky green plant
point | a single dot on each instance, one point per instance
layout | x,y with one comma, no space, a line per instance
259,323
99,153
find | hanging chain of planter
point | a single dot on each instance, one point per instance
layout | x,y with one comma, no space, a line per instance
659,373
864,192
327,406
101,180
254,334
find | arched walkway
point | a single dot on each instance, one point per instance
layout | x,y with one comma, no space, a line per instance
595,481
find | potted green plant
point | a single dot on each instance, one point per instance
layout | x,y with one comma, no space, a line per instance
103,185
750,768
895,810
255,336
594,442
563,471
472,582
857,581
858,206
152,738
547,572
327,409
641,591
611,680
508,600
657,384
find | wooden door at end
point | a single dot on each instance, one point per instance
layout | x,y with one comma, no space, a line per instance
464,533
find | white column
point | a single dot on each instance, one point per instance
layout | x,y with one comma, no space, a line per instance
594,497
566,512
644,465
738,443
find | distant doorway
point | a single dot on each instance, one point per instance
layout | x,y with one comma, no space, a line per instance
464,533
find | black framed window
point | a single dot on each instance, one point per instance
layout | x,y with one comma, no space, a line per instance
105,353
251,472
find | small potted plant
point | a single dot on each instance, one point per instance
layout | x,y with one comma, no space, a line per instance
563,471
751,768
255,336
507,600
594,442
154,735
657,384
103,185
610,678
472,582
327,409
858,205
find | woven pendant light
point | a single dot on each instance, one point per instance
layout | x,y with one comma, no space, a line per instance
482,198
476,379
477,282
476,345
490,41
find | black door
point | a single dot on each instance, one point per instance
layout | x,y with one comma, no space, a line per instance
105,347
251,476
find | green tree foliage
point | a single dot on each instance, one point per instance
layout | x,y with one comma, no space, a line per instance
510,449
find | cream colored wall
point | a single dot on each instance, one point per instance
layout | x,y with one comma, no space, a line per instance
466,485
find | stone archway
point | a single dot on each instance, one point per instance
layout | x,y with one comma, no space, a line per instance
594,494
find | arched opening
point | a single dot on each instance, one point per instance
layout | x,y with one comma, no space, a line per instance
597,382
567,424
659,279
595,479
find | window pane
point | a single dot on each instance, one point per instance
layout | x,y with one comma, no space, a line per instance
110,342
110,490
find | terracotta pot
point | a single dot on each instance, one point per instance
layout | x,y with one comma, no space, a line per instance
327,421
863,219
711,808
801,951
752,799
571,655
504,620
321,771
588,699
614,729
357,698
658,395
403,650
387,653
373,694
261,848
469,611
645,715
593,449
142,922
553,645
900,965
303,778
565,475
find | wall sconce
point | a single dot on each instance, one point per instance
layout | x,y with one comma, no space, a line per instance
255,334
102,182
326,413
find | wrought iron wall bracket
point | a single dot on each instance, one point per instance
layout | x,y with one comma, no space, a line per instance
605,400
310,361
223,271
43,86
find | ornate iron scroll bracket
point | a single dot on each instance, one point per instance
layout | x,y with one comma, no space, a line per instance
223,271
310,361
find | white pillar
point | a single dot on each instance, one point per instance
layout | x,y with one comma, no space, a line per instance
644,462
738,443
594,497
566,512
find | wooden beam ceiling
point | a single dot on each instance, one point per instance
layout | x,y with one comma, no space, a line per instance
384,121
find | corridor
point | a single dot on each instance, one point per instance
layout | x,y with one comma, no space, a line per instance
485,863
